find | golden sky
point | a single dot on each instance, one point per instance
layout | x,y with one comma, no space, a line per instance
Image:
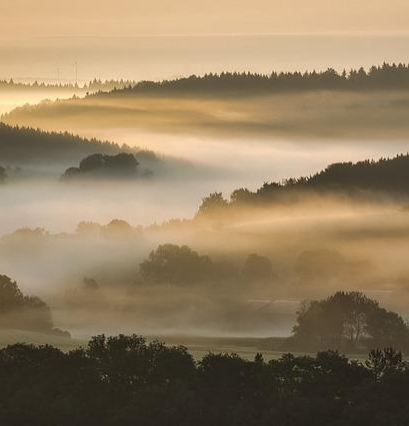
22,18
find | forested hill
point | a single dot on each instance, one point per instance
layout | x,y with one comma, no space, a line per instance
395,76
387,176
21,145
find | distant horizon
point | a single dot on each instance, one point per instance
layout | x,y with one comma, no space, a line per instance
158,57
67,82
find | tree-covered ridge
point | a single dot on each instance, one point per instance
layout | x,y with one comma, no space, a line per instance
385,176
22,145
387,76
124,380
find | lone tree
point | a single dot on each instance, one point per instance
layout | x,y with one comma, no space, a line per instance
348,320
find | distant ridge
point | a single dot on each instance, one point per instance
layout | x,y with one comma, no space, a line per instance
386,177
387,76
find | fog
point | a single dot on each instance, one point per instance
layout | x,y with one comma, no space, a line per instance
11,99
318,115
317,243
198,166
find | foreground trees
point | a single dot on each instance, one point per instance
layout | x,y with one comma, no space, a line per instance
349,321
125,380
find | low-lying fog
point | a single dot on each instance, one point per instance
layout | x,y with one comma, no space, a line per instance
315,247
10,99
209,165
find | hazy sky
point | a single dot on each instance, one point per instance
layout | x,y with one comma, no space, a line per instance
43,39
20,18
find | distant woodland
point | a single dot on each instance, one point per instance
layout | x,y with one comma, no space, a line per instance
21,145
99,166
365,105
93,86
387,76
387,176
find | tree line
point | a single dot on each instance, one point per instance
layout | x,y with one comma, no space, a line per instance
20,145
386,76
386,176
125,380
92,86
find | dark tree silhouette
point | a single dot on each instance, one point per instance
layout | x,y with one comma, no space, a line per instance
387,76
24,312
348,320
124,380
10,295
21,145
122,165
367,179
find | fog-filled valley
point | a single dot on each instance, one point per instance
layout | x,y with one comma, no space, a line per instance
204,213
208,206
238,268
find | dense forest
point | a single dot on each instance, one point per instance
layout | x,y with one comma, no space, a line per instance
22,145
387,176
125,380
387,76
